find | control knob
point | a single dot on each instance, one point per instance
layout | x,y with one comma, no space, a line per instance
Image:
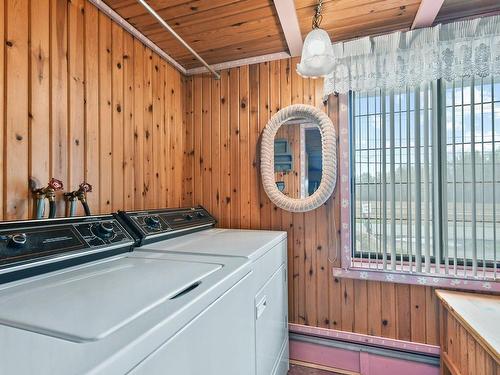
105,229
201,215
188,217
152,221
17,240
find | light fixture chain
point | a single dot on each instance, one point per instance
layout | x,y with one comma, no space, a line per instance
316,22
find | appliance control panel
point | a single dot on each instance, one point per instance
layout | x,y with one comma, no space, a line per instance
28,245
156,225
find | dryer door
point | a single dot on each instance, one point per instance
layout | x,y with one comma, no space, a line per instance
217,342
271,322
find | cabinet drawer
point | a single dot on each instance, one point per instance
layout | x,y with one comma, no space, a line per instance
271,321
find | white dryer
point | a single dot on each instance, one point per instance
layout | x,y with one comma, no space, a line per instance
75,300
265,250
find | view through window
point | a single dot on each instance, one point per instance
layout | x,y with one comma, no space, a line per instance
426,177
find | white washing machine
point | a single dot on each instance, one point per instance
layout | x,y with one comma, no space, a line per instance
266,251
74,299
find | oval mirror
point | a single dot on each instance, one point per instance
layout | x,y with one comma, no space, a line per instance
298,158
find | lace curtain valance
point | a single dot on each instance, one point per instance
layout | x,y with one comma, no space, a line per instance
451,51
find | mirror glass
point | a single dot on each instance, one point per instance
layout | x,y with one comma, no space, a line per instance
298,158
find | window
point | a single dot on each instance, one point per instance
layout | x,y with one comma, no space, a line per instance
425,164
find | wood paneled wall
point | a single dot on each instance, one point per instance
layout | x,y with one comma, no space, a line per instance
86,101
224,120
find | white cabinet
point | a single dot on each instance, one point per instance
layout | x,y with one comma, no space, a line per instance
271,311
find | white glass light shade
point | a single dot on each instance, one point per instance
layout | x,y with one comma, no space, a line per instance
317,55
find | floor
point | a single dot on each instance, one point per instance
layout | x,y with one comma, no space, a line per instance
299,370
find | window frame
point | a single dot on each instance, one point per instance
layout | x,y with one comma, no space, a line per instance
352,267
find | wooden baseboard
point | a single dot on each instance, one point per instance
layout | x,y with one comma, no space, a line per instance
324,368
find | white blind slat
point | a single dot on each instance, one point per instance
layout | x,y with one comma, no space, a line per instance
435,172
384,182
393,179
443,180
409,221
427,235
473,177
493,161
418,186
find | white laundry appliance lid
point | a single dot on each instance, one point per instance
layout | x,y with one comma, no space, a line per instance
90,303
223,242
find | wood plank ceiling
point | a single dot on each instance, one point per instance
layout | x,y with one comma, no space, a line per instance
228,30
349,19
219,30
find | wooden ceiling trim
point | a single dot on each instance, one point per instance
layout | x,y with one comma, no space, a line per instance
290,25
426,14
241,62
239,48
375,30
226,54
269,46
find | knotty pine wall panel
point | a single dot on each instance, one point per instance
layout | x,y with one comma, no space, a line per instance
223,123
84,100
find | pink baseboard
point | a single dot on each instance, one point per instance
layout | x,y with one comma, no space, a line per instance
325,356
378,365
358,338
357,361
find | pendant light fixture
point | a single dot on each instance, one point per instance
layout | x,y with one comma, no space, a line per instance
317,53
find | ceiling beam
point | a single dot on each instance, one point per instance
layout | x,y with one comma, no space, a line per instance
287,15
426,14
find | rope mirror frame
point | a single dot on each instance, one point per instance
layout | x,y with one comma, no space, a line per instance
329,158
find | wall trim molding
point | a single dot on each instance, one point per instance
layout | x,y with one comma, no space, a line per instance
107,10
358,338
434,280
240,62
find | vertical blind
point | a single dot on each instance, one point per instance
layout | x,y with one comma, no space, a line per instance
402,143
